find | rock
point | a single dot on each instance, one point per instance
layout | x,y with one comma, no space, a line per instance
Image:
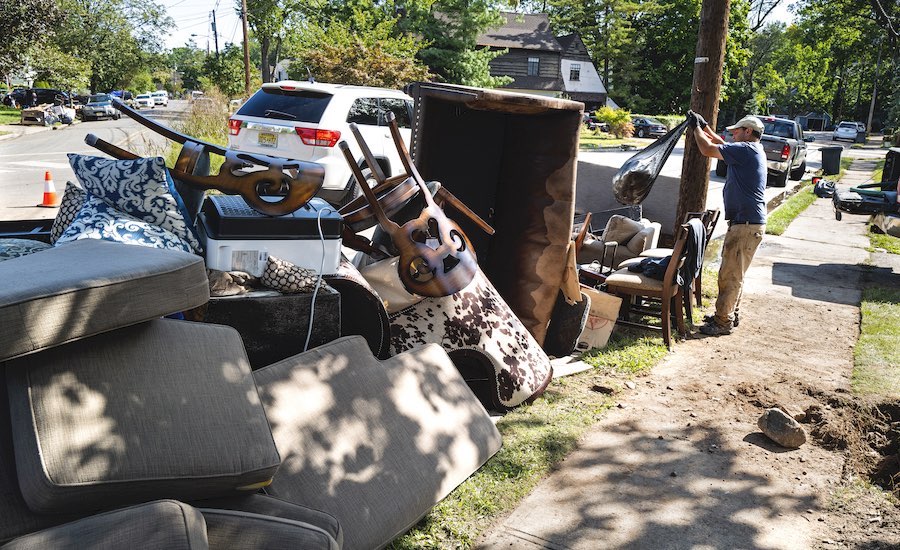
781,428
606,390
630,385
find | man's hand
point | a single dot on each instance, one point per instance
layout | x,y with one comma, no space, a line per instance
692,119
701,122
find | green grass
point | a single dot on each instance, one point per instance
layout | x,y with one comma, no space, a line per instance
535,438
876,369
779,220
887,242
8,115
595,139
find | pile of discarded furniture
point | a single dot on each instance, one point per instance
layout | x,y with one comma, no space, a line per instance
47,114
122,423
880,200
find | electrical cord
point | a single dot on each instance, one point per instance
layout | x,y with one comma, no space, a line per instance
312,306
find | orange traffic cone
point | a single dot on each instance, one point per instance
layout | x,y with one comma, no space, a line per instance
50,198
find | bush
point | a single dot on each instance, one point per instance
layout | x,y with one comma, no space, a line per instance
619,121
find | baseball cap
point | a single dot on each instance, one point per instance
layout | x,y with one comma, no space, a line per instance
748,122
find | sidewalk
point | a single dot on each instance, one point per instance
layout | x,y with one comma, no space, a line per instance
681,464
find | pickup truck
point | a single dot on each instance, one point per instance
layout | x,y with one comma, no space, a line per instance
785,148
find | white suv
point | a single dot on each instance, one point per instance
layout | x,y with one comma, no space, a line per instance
305,121
160,97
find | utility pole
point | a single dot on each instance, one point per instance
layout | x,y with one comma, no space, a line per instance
246,48
874,89
705,90
215,32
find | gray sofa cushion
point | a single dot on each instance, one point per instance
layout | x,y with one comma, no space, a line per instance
270,506
163,525
87,287
376,444
228,529
15,517
164,409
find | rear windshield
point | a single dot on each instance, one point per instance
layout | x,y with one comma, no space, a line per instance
98,98
779,129
848,125
299,106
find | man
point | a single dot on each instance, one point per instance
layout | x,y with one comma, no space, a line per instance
745,210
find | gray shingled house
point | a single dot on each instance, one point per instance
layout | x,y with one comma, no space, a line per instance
540,63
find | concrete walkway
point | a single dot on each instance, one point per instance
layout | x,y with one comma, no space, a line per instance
653,474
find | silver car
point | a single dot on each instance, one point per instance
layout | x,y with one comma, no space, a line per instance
99,106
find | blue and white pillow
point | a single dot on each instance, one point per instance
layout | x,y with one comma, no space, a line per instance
99,220
16,248
72,201
141,188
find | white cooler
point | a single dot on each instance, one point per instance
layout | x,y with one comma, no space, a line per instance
238,238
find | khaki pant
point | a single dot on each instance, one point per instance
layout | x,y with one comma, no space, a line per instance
741,242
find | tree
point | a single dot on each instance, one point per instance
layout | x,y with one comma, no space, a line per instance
188,61
360,51
21,31
226,72
760,10
268,20
451,29
65,71
115,37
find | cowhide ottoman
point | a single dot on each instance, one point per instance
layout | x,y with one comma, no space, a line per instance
499,359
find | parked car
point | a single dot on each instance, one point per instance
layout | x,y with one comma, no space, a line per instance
126,96
846,130
648,127
305,121
144,100
160,97
594,123
44,96
99,106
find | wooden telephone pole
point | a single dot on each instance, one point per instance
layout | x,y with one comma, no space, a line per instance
705,90
247,48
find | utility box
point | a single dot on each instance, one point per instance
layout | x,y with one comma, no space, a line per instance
512,159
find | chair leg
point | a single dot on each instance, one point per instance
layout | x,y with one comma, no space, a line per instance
687,306
681,300
698,289
666,323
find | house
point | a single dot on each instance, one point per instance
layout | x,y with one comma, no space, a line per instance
580,77
540,63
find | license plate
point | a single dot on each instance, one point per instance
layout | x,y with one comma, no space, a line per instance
267,139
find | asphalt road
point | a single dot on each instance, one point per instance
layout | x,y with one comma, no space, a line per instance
25,159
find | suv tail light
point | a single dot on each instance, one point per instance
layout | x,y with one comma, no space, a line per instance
234,126
320,138
785,151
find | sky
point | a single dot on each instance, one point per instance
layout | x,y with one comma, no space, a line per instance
193,17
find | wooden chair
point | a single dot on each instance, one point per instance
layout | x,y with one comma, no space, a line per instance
632,286
709,218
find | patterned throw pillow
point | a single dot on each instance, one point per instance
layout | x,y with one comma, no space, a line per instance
288,278
15,248
99,220
141,188
72,201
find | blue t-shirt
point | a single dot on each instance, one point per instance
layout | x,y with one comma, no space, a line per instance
745,184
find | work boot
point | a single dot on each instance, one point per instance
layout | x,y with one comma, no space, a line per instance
712,328
712,317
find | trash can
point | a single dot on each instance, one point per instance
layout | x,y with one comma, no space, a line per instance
831,160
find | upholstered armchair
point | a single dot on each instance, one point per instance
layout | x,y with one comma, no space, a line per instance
623,238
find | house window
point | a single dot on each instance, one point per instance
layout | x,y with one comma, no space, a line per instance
575,72
534,65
